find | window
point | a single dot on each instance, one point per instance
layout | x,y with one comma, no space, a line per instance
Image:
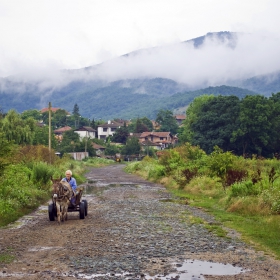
105,129
113,129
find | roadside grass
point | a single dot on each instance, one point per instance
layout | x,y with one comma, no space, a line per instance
242,194
260,231
24,187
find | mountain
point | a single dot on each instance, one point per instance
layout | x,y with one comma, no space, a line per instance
140,83
264,84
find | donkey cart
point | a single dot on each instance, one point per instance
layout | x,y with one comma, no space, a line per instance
80,206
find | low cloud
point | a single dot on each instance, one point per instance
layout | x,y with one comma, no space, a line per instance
213,63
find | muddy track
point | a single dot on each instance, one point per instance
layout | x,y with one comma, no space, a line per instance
132,231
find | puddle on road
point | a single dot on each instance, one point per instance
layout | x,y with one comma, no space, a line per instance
37,249
98,188
31,218
188,270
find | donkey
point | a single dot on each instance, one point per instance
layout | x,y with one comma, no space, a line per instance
61,195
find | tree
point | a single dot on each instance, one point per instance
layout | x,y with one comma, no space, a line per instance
76,111
41,136
167,121
215,123
18,130
132,147
275,124
59,118
192,113
70,142
121,134
254,124
111,150
142,125
33,113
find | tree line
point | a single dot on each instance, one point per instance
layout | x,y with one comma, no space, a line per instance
243,126
31,128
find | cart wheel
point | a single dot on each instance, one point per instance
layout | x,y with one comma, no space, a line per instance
86,206
51,212
82,210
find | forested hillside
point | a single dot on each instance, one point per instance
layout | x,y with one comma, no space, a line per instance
117,101
140,83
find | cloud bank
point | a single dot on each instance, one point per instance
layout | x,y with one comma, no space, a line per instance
213,63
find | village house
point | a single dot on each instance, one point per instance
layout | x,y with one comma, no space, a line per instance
53,109
180,119
108,129
59,132
86,131
159,140
98,149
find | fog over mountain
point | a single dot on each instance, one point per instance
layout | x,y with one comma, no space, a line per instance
221,58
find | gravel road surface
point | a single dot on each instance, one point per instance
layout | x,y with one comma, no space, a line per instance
133,230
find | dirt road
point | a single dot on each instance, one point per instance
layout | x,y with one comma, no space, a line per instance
133,230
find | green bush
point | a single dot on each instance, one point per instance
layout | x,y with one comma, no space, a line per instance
42,172
156,171
171,160
219,162
241,189
133,166
18,193
271,198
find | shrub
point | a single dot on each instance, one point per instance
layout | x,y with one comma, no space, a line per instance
209,186
42,172
219,162
234,176
242,189
271,198
156,171
171,160
18,194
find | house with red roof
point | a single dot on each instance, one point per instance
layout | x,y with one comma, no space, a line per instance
159,140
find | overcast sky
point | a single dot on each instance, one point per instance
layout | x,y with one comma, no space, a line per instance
46,35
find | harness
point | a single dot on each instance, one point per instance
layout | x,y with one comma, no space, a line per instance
62,193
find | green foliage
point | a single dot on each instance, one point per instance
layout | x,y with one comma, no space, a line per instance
111,150
32,113
42,173
70,142
167,121
215,122
132,147
7,149
193,112
76,110
140,125
18,130
271,198
121,134
6,258
18,192
254,124
219,163
250,202
242,189
171,161
41,136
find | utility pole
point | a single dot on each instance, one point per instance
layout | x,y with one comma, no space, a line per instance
50,130
86,141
